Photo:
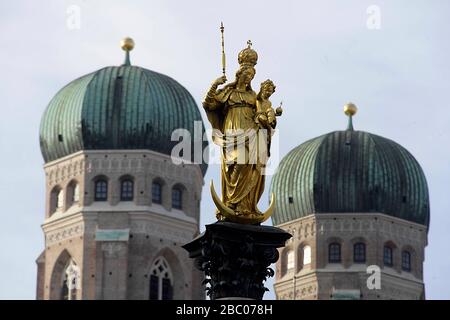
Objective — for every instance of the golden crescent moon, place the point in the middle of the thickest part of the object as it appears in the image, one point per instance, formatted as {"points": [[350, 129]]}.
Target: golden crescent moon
{"points": [[244, 219], [223, 209]]}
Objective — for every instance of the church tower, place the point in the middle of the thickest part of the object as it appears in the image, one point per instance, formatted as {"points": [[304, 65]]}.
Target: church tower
{"points": [[357, 206], [118, 208]]}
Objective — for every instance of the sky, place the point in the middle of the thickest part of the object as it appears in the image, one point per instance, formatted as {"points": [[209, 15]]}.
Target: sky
{"points": [[391, 58]]}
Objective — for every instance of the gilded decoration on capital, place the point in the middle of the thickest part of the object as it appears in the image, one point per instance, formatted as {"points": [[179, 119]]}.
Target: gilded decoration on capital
{"points": [[243, 123]]}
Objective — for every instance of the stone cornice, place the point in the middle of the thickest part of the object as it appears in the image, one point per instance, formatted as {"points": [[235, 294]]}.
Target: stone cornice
{"points": [[324, 223], [79, 162]]}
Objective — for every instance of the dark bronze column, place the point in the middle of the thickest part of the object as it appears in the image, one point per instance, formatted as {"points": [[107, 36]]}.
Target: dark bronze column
{"points": [[236, 258]]}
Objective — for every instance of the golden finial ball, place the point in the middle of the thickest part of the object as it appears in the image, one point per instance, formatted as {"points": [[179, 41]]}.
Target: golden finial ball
{"points": [[350, 109], [127, 44]]}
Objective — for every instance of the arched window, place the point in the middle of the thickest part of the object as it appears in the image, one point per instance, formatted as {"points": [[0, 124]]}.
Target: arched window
{"points": [[55, 199], [177, 198], [156, 192], [406, 261], [126, 190], [359, 252], [388, 256], [334, 252], [73, 193], [161, 287], [60, 200], [71, 281], [101, 190], [76, 193], [306, 255], [290, 260]]}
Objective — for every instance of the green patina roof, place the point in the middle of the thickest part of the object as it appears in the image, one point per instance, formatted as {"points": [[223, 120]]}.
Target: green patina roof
{"points": [[350, 171], [124, 107]]}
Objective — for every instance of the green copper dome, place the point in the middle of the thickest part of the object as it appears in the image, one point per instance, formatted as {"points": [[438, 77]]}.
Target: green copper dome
{"points": [[350, 171], [124, 107]]}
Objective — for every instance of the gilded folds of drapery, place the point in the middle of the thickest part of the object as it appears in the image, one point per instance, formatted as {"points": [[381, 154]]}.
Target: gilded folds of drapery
{"points": [[232, 114]]}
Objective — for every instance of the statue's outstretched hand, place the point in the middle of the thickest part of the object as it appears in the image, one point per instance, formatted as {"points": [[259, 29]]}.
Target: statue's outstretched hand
{"points": [[220, 81]]}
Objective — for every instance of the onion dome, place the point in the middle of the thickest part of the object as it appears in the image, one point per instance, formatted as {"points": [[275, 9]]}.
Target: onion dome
{"points": [[350, 172], [116, 108]]}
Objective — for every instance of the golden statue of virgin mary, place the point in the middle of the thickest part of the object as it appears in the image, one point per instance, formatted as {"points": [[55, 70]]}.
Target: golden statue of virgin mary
{"points": [[242, 130]]}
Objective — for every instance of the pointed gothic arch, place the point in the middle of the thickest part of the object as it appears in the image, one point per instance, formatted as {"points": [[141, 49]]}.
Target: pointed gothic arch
{"points": [[161, 280], [175, 274], [65, 280]]}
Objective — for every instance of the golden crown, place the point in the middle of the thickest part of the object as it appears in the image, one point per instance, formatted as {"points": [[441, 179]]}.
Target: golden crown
{"points": [[248, 56]]}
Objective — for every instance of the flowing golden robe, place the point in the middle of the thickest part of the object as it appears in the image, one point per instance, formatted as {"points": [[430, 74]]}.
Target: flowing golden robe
{"points": [[232, 115]]}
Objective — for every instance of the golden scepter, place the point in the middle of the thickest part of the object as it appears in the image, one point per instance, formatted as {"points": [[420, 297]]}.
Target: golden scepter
{"points": [[223, 48]]}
